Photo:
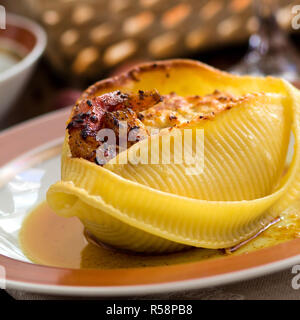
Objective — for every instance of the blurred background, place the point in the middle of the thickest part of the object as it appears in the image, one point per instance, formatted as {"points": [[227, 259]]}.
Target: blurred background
{"points": [[88, 40]]}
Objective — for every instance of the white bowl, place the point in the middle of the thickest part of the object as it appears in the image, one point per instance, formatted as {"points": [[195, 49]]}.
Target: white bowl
{"points": [[25, 35]]}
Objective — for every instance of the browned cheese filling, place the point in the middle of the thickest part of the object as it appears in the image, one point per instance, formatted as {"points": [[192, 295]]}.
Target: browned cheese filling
{"points": [[140, 112]]}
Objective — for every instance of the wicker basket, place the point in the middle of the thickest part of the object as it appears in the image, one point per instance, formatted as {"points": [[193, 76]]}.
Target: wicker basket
{"points": [[88, 37]]}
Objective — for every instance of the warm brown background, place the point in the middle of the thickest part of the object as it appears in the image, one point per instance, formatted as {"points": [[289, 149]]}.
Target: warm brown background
{"points": [[49, 89]]}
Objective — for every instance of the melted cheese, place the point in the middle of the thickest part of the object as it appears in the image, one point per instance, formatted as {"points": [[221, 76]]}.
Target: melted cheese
{"points": [[177, 110]]}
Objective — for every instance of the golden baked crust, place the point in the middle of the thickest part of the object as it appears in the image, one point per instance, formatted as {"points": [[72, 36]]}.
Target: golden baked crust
{"points": [[142, 112]]}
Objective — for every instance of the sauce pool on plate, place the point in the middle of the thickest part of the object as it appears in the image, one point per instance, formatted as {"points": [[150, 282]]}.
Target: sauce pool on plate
{"points": [[52, 240]]}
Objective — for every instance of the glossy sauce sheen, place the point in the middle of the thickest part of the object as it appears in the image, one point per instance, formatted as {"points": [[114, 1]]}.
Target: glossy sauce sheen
{"points": [[52, 240]]}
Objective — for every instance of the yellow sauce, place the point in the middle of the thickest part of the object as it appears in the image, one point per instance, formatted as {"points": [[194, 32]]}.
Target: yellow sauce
{"points": [[52, 240]]}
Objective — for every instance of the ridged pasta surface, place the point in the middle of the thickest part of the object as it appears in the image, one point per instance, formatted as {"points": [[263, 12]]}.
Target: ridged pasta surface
{"points": [[162, 207]]}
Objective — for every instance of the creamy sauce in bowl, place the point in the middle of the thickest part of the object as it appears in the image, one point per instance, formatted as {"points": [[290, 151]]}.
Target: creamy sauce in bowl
{"points": [[8, 58], [52, 240], [11, 53]]}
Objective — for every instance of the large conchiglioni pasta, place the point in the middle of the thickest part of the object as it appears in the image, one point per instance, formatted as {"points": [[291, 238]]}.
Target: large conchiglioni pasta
{"points": [[241, 187]]}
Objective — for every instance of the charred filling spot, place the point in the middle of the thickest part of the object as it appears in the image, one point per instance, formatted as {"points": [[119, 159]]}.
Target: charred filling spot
{"points": [[141, 116], [141, 111], [108, 112]]}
